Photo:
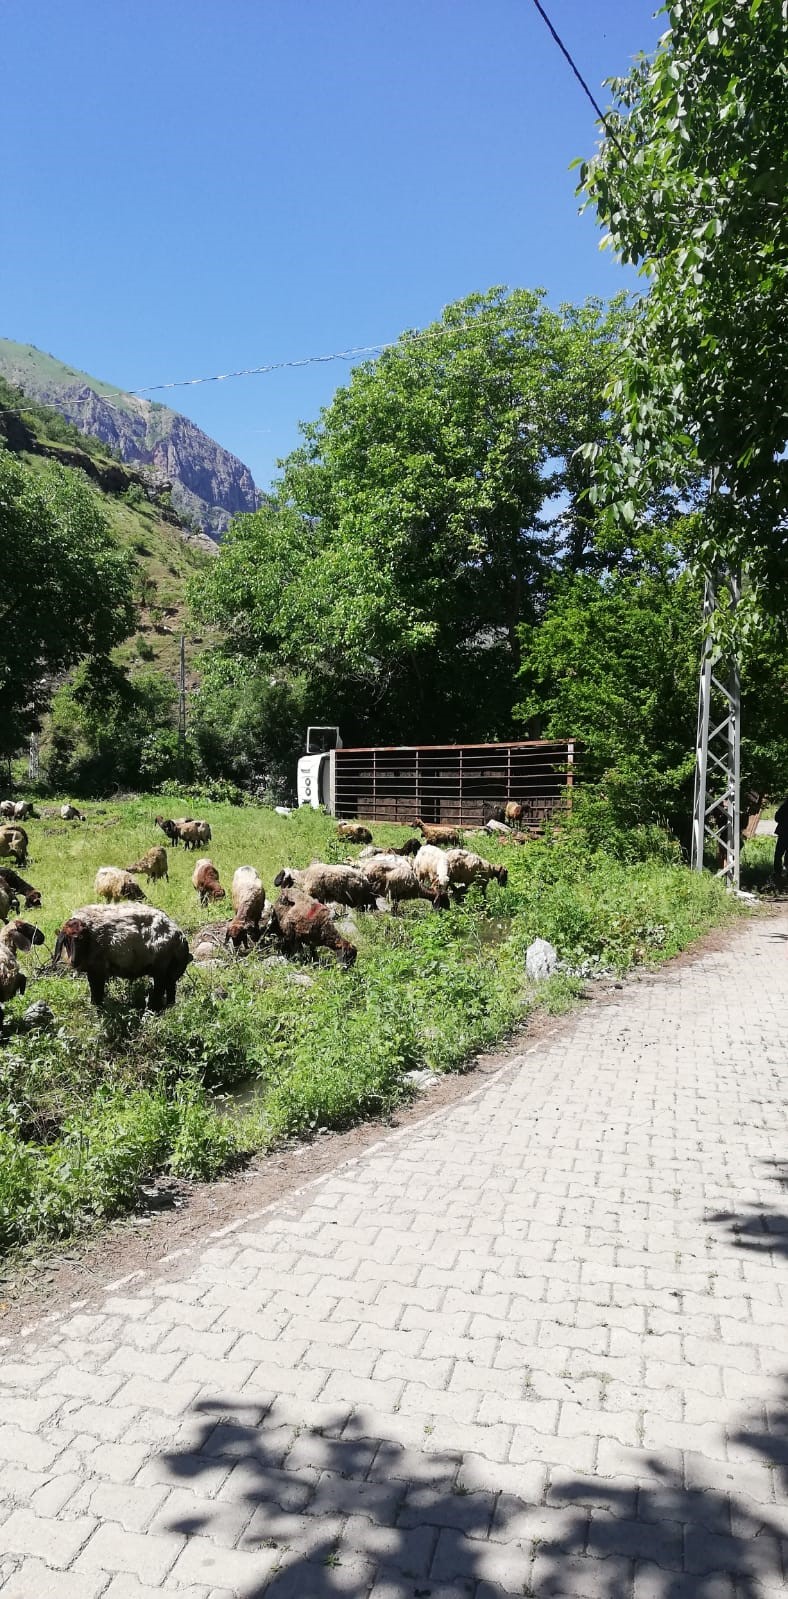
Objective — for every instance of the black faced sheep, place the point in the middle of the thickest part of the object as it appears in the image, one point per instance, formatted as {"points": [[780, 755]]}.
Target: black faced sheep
{"points": [[17, 935], [354, 833], [18, 810], [130, 941], [14, 842], [16, 885], [205, 879], [113, 884], [153, 864], [185, 831], [69, 813], [332, 885], [301, 923]]}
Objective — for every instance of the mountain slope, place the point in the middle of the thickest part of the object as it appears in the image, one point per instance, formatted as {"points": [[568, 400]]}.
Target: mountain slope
{"points": [[209, 485]]}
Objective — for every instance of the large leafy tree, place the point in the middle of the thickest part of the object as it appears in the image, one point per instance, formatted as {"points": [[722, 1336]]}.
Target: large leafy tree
{"points": [[413, 531], [65, 592], [690, 181]]}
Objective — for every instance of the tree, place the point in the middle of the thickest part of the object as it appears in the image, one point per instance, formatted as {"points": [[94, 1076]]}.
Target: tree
{"points": [[65, 591], [414, 529], [108, 728], [690, 181]]}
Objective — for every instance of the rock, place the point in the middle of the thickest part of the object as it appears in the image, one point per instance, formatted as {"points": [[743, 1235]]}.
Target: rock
{"points": [[38, 1017], [421, 1080], [300, 979], [541, 960], [497, 827], [283, 810]]}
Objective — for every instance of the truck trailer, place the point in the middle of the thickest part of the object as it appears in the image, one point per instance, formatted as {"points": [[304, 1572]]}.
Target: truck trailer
{"points": [[461, 784]]}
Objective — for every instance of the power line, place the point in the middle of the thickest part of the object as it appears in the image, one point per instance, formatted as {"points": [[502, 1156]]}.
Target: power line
{"points": [[578, 74]]}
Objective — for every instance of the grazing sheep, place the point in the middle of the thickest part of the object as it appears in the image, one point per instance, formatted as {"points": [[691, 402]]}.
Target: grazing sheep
{"points": [[248, 896], [8, 902], [435, 834], [466, 868], [14, 842], [153, 864], [431, 867], [18, 810], [332, 885], [185, 831], [354, 833], [113, 884], [410, 847], [205, 879], [128, 941], [393, 878], [17, 935], [69, 813], [16, 885], [302, 923]]}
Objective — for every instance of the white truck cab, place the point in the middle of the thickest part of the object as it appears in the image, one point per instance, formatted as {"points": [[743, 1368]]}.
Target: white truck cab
{"points": [[314, 768]]}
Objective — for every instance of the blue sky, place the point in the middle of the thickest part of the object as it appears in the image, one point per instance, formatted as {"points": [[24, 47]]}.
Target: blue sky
{"points": [[191, 187]]}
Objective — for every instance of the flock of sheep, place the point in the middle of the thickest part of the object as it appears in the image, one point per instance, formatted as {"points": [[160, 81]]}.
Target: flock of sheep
{"points": [[124, 936]]}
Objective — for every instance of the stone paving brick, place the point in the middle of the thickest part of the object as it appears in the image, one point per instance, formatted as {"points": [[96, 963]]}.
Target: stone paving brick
{"points": [[537, 1339]]}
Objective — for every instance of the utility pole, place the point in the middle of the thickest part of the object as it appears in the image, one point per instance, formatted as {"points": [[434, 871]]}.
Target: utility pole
{"points": [[717, 807], [182, 707]]}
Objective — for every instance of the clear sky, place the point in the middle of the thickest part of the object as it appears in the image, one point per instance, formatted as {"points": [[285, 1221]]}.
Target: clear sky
{"points": [[192, 186]]}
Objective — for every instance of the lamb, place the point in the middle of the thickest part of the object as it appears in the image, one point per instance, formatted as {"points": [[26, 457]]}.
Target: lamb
{"points": [[431, 867], [113, 884], [153, 864], [18, 810], [17, 935], [205, 879], [302, 923], [354, 833], [130, 941], [248, 896], [466, 868], [340, 885], [17, 885], [69, 813], [435, 834], [393, 878], [14, 842]]}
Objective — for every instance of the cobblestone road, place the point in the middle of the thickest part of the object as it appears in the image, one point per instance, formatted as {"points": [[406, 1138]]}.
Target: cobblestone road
{"points": [[534, 1345]]}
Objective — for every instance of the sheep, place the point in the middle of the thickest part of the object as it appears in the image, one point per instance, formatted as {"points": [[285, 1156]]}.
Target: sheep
{"points": [[130, 941], [340, 885], [113, 884], [153, 864], [513, 811], [18, 810], [466, 868], [435, 834], [7, 902], [431, 867], [410, 847], [184, 831], [354, 833], [248, 896], [393, 878], [205, 879], [302, 923], [17, 935], [17, 885], [14, 842], [69, 813]]}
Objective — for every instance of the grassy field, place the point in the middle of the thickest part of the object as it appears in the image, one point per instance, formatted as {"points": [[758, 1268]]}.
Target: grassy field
{"points": [[109, 1099]]}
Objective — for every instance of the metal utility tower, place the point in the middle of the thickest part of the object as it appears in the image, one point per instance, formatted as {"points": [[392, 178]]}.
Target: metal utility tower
{"points": [[717, 807]]}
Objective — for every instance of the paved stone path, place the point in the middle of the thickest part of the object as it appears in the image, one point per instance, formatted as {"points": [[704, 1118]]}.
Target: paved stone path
{"points": [[533, 1345]]}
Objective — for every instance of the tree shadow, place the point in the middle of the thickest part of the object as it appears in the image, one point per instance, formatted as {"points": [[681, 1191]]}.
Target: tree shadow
{"points": [[309, 1501]]}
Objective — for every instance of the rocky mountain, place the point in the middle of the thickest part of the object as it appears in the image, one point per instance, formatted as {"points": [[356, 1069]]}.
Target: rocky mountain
{"points": [[209, 485]]}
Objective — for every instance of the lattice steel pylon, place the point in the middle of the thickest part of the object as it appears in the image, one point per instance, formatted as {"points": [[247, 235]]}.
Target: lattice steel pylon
{"points": [[717, 808]]}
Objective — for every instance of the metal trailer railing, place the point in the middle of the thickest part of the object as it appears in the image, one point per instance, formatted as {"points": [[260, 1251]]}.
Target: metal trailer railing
{"points": [[460, 784]]}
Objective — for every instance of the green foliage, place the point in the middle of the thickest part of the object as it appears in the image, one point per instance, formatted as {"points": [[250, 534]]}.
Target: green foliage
{"points": [[260, 1049], [411, 533], [65, 591], [108, 728], [690, 183]]}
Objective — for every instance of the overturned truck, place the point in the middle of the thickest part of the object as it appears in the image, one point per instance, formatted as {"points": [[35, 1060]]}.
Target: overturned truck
{"points": [[466, 785]]}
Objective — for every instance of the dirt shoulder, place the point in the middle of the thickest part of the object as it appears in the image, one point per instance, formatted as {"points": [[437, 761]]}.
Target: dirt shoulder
{"points": [[50, 1281]]}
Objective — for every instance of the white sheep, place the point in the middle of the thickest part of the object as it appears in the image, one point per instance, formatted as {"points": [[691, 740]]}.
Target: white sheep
{"points": [[431, 866], [113, 884], [393, 878], [332, 885], [128, 941], [466, 868], [248, 897]]}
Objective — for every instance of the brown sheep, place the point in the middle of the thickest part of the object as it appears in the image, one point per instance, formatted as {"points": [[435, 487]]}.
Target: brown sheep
{"points": [[153, 864], [113, 884], [8, 902], [354, 833], [205, 879], [16, 885], [513, 811], [125, 941], [435, 834], [333, 885], [14, 842], [301, 923], [185, 831]]}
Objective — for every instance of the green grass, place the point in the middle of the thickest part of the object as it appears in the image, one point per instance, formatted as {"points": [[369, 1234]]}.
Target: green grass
{"points": [[111, 1098]]}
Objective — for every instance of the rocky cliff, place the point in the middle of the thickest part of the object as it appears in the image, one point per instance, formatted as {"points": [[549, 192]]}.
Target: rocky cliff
{"points": [[209, 485]]}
